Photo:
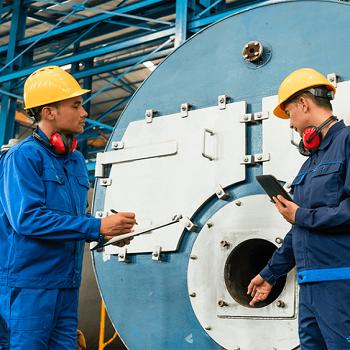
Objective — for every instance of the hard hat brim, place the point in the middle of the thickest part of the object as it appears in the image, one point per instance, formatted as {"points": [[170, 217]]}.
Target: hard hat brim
{"points": [[77, 93]]}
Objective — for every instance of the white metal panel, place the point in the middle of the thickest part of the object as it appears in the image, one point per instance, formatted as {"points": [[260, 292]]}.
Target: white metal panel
{"points": [[156, 188], [341, 104], [285, 160], [232, 325]]}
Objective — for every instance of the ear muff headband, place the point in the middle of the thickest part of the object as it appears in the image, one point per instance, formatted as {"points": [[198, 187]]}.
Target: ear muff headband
{"points": [[311, 138]]}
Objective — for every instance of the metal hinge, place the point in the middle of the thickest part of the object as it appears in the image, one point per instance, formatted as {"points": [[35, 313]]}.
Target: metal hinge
{"points": [[222, 100], [185, 107], [101, 214], [332, 78], [106, 181], [117, 145], [254, 117], [149, 115], [189, 225], [221, 193], [122, 256], [255, 158], [156, 253]]}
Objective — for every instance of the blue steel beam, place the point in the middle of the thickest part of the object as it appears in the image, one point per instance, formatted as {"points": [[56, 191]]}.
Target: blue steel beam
{"points": [[81, 7], [7, 8], [3, 92], [197, 24], [3, 18], [8, 103], [73, 27], [91, 54], [43, 19], [181, 22], [122, 86], [102, 125], [129, 69], [207, 9], [125, 24], [78, 39], [43, 35], [128, 8], [110, 110], [121, 64]]}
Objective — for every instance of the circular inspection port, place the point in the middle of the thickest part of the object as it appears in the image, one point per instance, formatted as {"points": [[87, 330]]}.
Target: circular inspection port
{"points": [[244, 263]]}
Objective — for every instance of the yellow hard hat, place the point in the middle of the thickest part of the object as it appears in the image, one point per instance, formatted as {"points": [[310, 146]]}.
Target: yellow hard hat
{"points": [[300, 79], [50, 84]]}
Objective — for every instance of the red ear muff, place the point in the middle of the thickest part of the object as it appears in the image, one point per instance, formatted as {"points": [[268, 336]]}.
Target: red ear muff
{"points": [[63, 144], [311, 138], [74, 145], [57, 143]]}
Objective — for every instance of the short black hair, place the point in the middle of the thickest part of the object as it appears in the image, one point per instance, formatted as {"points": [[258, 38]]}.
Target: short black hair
{"points": [[35, 113], [323, 102]]}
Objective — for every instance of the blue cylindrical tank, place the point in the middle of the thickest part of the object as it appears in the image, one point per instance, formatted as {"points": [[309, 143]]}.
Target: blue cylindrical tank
{"points": [[182, 288]]}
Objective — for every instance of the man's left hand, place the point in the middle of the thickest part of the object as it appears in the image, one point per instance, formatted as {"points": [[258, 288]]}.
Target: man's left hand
{"points": [[287, 208]]}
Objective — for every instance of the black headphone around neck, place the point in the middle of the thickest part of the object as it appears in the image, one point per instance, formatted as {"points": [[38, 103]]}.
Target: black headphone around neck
{"points": [[312, 137], [59, 143]]}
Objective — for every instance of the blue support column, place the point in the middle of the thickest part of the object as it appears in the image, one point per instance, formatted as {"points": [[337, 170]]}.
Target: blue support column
{"points": [[8, 101], [181, 22]]}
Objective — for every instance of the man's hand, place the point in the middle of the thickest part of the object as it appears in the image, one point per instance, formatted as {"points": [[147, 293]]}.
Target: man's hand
{"points": [[259, 289], [118, 224], [286, 208]]}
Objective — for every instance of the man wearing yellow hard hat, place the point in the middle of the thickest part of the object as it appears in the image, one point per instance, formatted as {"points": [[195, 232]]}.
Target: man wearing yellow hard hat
{"points": [[43, 225], [318, 243]]}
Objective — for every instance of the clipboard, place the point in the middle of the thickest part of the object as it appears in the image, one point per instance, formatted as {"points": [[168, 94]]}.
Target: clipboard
{"points": [[174, 220], [272, 187]]}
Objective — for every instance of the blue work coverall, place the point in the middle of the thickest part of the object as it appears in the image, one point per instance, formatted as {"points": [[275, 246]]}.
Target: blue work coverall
{"points": [[43, 227], [319, 244]]}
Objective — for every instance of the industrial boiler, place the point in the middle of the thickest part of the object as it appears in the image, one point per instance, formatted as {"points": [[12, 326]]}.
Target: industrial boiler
{"points": [[184, 157]]}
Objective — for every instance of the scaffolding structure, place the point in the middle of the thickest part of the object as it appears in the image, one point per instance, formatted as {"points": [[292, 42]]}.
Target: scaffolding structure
{"points": [[109, 46]]}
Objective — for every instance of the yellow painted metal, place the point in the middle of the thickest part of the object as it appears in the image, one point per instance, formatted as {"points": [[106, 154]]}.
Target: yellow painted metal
{"points": [[101, 342]]}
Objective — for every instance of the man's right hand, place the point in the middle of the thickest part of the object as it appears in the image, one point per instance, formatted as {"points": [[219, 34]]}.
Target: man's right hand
{"points": [[117, 224], [259, 289]]}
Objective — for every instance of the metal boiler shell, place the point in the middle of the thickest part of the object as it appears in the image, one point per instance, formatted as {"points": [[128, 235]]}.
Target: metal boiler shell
{"points": [[147, 300]]}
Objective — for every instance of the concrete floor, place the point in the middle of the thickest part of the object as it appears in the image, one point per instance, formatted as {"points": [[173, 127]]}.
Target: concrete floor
{"points": [[89, 309]]}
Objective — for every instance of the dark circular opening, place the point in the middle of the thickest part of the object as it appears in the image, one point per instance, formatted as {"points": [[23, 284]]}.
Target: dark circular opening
{"points": [[244, 263], [252, 50]]}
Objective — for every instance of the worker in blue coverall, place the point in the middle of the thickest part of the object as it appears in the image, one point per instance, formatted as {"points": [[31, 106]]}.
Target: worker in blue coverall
{"points": [[43, 225], [318, 243]]}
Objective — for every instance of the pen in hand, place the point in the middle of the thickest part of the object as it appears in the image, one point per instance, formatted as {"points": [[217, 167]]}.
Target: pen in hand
{"points": [[115, 212]]}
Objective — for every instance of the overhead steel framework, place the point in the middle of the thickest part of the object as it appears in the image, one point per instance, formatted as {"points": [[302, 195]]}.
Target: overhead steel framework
{"points": [[109, 46]]}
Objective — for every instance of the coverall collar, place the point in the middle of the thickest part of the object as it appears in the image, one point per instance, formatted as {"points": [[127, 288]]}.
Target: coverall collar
{"points": [[44, 136], [331, 133]]}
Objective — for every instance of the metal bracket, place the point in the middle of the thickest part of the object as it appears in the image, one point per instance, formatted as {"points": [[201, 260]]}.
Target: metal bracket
{"points": [[185, 107], [255, 158], [254, 117], [101, 214], [222, 100], [149, 115], [156, 253], [117, 145], [122, 257], [332, 78], [190, 226], [106, 182], [220, 192]]}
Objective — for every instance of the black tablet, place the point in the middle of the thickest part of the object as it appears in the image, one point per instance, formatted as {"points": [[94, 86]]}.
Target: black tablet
{"points": [[272, 187]]}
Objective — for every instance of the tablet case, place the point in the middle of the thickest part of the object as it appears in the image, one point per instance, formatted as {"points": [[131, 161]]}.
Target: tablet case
{"points": [[272, 187]]}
